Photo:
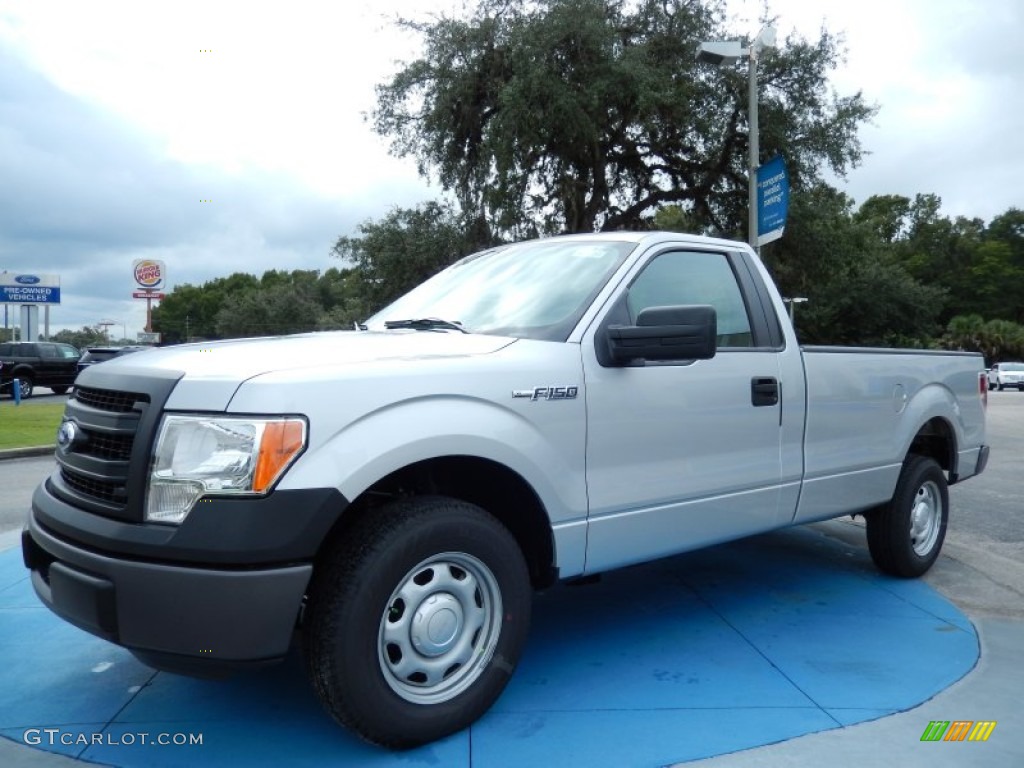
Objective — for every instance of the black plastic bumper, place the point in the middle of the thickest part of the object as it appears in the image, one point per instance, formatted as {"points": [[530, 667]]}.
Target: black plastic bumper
{"points": [[200, 617]]}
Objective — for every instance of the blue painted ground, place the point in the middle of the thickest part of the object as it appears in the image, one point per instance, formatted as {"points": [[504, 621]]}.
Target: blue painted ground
{"points": [[716, 651]]}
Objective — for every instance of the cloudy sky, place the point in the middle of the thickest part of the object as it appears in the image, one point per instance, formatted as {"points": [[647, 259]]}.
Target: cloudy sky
{"points": [[118, 118]]}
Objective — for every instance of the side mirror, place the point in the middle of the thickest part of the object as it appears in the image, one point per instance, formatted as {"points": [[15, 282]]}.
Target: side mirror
{"points": [[666, 333]]}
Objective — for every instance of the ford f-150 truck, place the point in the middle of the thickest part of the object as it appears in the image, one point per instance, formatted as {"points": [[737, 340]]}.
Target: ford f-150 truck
{"points": [[539, 411]]}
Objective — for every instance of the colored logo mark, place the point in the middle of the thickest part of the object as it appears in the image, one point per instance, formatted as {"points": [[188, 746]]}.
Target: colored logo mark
{"points": [[149, 273], [958, 730]]}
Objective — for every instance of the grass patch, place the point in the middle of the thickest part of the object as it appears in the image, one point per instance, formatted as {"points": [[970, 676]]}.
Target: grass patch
{"points": [[24, 426]]}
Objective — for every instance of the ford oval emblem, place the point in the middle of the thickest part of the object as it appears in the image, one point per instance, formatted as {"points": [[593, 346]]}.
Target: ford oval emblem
{"points": [[26, 279], [66, 434]]}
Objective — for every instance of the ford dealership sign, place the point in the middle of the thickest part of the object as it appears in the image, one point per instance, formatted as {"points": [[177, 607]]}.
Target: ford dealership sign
{"points": [[29, 289]]}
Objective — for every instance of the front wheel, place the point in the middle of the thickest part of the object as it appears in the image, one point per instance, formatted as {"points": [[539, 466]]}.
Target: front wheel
{"points": [[906, 535], [25, 386], [416, 619]]}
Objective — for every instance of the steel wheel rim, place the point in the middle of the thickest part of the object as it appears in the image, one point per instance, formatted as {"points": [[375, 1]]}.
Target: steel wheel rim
{"points": [[439, 628], [925, 518], [26, 388]]}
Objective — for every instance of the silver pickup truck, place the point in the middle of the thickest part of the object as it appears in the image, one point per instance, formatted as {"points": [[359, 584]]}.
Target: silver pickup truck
{"points": [[540, 411]]}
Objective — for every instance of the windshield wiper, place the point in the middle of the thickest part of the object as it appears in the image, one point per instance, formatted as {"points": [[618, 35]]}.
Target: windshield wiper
{"points": [[426, 324]]}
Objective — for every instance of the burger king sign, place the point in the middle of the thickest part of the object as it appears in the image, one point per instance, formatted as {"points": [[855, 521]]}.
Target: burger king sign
{"points": [[149, 274]]}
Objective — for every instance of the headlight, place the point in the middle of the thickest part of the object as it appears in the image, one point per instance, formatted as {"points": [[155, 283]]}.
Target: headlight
{"points": [[198, 455]]}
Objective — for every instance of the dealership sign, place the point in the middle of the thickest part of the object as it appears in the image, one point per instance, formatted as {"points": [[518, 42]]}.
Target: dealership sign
{"points": [[29, 288], [149, 274], [772, 200]]}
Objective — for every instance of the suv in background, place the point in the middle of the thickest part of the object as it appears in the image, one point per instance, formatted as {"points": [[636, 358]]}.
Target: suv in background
{"points": [[1003, 375], [38, 364], [93, 355]]}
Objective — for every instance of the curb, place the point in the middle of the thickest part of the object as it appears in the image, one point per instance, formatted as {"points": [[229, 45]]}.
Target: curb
{"points": [[20, 453]]}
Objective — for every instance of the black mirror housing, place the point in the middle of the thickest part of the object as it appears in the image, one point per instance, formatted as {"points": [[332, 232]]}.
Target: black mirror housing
{"points": [[666, 333]]}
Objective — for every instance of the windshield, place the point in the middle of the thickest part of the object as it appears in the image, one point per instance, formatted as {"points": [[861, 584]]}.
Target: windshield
{"points": [[534, 290]]}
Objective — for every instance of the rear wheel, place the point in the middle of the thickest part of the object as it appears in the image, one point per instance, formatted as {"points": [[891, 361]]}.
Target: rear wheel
{"points": [[416, 619], [906, 535], [59, 390]]}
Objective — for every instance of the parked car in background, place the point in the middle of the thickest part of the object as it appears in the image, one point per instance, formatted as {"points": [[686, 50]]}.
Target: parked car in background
{"points": [[38, 364], [1003, 375], [94, 355]]}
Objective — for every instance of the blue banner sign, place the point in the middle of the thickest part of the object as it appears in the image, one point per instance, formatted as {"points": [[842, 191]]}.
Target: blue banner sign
{"points": [[29, 289], [25, 294], [772, 200]]}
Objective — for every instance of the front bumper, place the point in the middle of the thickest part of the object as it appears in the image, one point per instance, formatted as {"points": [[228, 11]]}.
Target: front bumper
{"points": [[196, 615]]}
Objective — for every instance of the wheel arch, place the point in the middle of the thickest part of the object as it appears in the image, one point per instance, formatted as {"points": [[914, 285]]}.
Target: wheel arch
{"points": [[486, 483], [23, 369], [937, 439]]}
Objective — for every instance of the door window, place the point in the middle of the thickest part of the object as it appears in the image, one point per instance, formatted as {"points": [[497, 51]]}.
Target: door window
{"points": [[694, 277]]}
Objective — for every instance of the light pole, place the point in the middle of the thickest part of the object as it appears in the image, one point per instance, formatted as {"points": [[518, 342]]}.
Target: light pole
{"points": [[105, 325], [730, 52], [792, 306]]}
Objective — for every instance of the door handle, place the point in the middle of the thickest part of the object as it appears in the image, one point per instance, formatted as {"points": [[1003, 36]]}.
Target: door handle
{"points": [[764, 390]]}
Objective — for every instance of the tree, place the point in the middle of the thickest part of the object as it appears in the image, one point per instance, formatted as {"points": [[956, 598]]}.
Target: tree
{"points": [[996, 339], [278, 309], [88, 336], [887, 215], [965, 332], [397, 253], [857, 292], [576, 115], [190, 312]]}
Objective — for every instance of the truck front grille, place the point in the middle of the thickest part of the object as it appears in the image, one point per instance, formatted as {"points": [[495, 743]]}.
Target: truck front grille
{"points": [[103, 468], [101, 490], [103, 400], [104, 446]]}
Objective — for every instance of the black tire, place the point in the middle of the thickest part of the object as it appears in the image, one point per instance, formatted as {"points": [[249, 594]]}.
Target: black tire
{"points": [[905, 536], [991, 386], [59, 390], [396, 570]]}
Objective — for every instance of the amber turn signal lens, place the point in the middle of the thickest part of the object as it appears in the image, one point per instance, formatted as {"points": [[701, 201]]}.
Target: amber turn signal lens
{"points": [[281, 441]]}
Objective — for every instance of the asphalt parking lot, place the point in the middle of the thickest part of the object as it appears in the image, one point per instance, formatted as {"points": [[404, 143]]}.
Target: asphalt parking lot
{"points": [[39, 395]]}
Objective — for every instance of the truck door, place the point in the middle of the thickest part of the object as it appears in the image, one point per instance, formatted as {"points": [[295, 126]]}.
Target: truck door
{"points": [[684, 453]]}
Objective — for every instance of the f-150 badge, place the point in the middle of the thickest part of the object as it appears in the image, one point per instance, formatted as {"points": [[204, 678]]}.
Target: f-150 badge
{"points": [[547, 393]]}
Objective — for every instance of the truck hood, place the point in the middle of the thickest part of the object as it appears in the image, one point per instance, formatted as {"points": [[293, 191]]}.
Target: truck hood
{"points": [[213, 370]]}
